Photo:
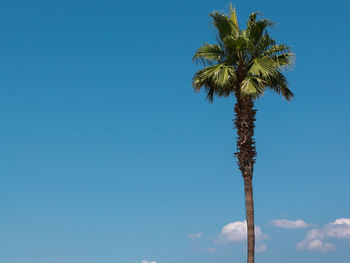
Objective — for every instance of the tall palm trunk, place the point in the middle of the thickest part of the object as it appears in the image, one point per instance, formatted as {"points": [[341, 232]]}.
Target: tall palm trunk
{"points": [[249, 207], [244, 123]]}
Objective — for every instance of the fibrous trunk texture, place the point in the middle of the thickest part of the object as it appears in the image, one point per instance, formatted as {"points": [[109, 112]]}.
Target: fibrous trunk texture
{"points": [[246, 153]]}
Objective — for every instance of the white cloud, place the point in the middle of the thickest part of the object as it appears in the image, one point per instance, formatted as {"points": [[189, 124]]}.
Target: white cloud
{"points": [[315, 241], [316, 238], [237, 232], [234, 232], [146, 261], [285, 223], [195, 235], [340, 228]]}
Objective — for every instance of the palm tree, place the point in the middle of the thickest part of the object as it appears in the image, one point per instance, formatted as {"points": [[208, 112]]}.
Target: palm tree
{"points": [[244, 63]]}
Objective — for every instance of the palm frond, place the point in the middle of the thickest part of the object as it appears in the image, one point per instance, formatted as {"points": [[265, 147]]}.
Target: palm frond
{"points": [[250, 87], [225, 77], [285, 60], [235, 44], [234, 20], [226, 26], [215, 79], [278, 83], [256, 28], [233, 16], [264, 65], [265, 43], [252, 18], [221, 75], [276, 49], [222, 23], [205, 77], [208, 53]]}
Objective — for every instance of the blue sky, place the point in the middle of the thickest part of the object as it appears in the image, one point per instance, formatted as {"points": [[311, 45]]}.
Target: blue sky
{"points": [[108, 156]]}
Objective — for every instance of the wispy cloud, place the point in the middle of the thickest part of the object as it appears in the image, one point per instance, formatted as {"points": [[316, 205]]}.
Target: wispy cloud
{"points": [[285, 223], [316, 239], [261, 248], [146, 261], [237, 232], [195, 235], [211, 249]]}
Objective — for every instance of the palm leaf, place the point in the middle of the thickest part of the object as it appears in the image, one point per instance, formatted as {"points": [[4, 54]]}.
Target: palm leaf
{"points": [[285, 61], [276, 49], [209, 53], [222, 23], [233, 16], [255, 29], [278, 83], [264, 65], [251, 88]]}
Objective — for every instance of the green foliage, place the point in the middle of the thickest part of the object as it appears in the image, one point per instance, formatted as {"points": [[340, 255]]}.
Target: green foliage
{"points": [[208, 53], [244, 61]]}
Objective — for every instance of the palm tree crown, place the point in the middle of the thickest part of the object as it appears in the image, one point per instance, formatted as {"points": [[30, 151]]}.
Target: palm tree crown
{"points": [[245, 62]]}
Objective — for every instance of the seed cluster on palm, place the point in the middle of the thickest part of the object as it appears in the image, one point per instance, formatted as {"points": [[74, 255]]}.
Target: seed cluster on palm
{"points": [[243, 63]]}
